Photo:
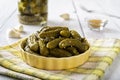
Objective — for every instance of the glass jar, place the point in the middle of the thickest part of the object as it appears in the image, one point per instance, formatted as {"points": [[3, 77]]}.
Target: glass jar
{"points": [[33, 12]]}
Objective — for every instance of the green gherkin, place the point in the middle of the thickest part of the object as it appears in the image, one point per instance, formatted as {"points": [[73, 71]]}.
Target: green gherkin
{"points": [[54, 43], [72, 42], [65, 33], [51, 33], [72, 50], [75, 34], [43, 49], [32, 42], [60, 53]]}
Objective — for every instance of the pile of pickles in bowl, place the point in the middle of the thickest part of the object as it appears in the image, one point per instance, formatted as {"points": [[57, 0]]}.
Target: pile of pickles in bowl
{"points": [[32, 12], [55, 48]]}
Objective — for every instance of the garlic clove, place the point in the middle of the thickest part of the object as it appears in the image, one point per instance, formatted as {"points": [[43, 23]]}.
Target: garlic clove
{"points": [[65, 16], [19, 28], [12, 33]]}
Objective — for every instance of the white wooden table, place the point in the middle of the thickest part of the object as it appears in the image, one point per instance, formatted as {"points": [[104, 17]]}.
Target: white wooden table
{"points": [[58, 7]]}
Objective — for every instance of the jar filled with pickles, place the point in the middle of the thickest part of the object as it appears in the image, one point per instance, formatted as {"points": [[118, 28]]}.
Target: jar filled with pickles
{"points": [[33, 12]]}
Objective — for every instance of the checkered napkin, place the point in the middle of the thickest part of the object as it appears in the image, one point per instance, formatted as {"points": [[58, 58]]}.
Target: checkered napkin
{"points": [[104, 51]]}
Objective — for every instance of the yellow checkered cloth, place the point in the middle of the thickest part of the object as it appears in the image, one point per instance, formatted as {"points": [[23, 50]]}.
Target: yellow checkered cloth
{"points": [[104, 51]]}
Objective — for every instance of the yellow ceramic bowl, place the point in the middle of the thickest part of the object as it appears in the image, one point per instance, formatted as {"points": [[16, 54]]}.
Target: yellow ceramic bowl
{"points": [[52, 63]]}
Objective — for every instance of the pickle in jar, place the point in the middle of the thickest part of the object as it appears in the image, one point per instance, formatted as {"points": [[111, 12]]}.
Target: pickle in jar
{"points": [[37, 9]]}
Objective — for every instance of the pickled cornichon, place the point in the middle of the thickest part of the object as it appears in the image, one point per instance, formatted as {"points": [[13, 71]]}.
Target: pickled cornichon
{"points": [[56, 42], [85, 45], [72, 50], [51, 33], [29, 50], [33, 44], [72, 42], [57, 52], [75, 34], [43, 49], [54, 28], [65, 33]]}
